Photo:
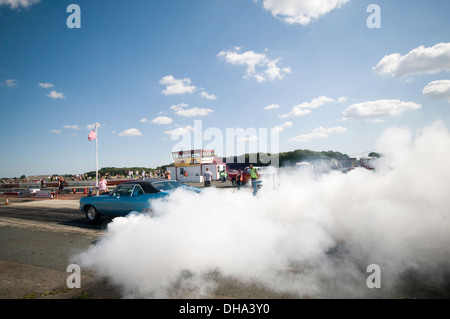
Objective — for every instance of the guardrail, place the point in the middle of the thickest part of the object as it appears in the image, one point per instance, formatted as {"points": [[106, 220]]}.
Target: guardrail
{"points": [[67, 184]]}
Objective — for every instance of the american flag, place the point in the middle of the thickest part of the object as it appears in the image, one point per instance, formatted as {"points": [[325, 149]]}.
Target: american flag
{"points": [[92, 135]]}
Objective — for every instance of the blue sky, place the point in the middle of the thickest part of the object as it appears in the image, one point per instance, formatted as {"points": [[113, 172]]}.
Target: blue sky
{"points": [[312, 70]]}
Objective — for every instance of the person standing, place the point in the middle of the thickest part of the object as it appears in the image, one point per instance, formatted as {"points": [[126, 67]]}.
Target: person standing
{"points": [[102, 185], [254, 176], [223, 176], [208, 177], [60, 185], [239, 180]]}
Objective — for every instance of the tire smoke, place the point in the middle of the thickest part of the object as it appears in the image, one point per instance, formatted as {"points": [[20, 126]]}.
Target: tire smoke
{"points": [[301, 236]]}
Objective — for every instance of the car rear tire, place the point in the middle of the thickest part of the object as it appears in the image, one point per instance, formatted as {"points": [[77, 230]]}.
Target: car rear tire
{"points": [[92, 215]]}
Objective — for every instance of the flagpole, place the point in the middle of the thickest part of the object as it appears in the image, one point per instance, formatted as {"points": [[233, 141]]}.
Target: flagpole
{"points": [[96, 156]]}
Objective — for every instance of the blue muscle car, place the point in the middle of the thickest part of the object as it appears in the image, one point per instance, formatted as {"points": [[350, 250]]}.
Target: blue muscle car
{"points": [[127, 197]]}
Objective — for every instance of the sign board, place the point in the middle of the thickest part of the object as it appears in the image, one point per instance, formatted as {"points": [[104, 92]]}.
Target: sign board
{"points": [[44, 194], [24, 193]]}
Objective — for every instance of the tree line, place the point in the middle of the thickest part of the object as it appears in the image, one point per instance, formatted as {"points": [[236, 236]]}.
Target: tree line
{"points": [[123, 171], [284, 158]]}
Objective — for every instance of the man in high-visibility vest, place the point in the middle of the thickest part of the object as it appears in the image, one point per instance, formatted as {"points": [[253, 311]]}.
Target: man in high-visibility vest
{"points": [[255, 176]]}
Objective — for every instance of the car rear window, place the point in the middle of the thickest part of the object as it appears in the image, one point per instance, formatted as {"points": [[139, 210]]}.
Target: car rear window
{"points": [[166, 185]]}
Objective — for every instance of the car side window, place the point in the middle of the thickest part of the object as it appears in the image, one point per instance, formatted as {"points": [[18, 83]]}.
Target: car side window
{"points": [[123, 190], [138, 191]]}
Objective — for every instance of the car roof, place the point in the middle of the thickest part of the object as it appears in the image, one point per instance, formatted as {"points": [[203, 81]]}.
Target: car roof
{"points": [[145, 181], [147, 184]]}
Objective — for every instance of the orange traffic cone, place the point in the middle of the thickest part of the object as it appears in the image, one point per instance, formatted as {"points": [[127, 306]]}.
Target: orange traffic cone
{"points": [[85, 191], [74, 190], [7, 201]]}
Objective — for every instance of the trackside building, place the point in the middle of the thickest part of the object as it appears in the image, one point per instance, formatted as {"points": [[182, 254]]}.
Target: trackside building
{"points": [[189, 166]]}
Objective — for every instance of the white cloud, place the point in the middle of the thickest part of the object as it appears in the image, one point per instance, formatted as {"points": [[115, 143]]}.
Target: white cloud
{"points": [[56, 95], [208, 96], [374, 111], [181, 110], [178, 106], [15, 4], [176, 86], [161, 120], [305, 108], [179, 131], [273, 72], [254, 62], [55, 131], [280, 128], [420, 60], [301, 12], [272, 107], [438, 90], [46, 85], [131, 132], [72, 127], [9, 83], [319, 132]]}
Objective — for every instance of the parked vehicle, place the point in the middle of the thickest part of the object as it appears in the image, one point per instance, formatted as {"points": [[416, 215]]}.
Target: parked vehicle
{"points": [[368, 162], [246, 176], [348, 164], [127, 197]]}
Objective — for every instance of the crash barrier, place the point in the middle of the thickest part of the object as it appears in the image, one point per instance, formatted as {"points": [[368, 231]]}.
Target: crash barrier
{"points": [[38, 193], [67, 184], [46, 194]]}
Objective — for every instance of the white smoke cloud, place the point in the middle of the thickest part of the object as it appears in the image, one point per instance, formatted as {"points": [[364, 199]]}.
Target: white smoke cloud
{"points": [[304, 235]]}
